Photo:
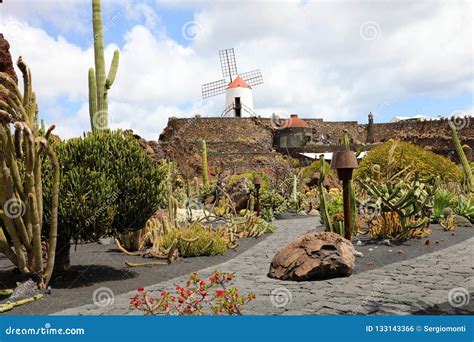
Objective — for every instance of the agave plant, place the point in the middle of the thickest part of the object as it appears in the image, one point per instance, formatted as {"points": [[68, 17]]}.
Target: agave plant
{"points": [[465, 208], [442, 199]]}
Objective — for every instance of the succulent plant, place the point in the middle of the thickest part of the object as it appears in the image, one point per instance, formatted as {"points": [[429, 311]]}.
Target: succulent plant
{"points": [[205, 170], [21, 191], [99, 85], [466, 167]]}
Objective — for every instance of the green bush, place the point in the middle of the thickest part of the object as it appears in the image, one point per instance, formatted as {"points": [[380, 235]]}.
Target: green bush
{"points": [[427, 163], [250, 176], [201, 247], [110, 184]]}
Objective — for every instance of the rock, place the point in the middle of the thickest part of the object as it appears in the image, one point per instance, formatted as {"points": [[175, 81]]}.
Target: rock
{"points": [[359, 243], [313, 212], [105, 241], [6, 64], [314, 256], [371, 249], [239, 193], [358, 254], [386, 242]]}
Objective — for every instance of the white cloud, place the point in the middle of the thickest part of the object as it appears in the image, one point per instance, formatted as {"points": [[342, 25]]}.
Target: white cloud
{"points": [[314, 58]]}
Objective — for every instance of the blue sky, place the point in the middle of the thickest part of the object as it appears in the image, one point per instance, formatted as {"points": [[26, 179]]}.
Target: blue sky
{"points": [[332, 60]]}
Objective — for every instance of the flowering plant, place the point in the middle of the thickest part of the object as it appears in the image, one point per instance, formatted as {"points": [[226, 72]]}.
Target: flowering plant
{"points": [[197, 297]]}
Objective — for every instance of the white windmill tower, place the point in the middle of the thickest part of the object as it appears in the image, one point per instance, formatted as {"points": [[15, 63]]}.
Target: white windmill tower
{"points": [[239, 100]]}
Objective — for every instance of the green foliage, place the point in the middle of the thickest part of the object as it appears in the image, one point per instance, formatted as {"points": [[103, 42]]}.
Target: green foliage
{"points": [[88, 205], [443, 199], [126, 180], [468, 178], [207, 242], [411, 201], [250, 176], [336, 206], [465, 208], [410, 158]]}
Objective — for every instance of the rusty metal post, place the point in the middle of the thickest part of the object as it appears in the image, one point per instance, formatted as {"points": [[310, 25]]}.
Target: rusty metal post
{"points": [[347, 210], [257, 182]]}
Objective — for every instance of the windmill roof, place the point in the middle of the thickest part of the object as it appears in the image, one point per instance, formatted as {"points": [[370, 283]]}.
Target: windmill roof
{"points": [[295, 122], [238, 82]]}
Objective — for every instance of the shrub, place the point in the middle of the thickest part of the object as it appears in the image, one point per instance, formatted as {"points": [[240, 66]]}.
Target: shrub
{"points": [[465, 208], [207, 242], [427, 163], [110, 186], [250, 176]]}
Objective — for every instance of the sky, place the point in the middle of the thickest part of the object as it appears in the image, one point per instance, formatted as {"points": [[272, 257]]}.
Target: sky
{"points": [[337, 60]]}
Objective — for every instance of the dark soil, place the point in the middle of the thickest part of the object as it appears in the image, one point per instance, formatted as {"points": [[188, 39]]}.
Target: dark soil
{"points": [[96, 265], [377, 254]]}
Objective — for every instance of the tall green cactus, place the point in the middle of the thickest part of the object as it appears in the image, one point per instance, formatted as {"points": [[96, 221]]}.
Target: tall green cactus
{"points": [[352, 197], [21, 194], [98, 84], [322, 196], [469, 181], [205, 170]]}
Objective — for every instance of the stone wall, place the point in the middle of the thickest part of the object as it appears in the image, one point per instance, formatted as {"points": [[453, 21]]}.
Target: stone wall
{"points": [[241, 144]]}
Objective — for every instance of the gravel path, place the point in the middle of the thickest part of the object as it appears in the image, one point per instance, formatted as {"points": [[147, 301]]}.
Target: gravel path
{"points": [[420, 284]]}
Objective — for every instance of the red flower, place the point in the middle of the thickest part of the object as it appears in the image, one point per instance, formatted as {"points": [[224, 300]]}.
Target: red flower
{"points": [[212, 280], [164, 293], [220, 293], [181, 300], [141, 289], [202, 282], [216, 274], [254, 296]]}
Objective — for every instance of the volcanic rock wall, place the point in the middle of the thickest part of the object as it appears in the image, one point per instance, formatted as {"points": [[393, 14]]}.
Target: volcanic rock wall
{"points": [[240, 144]]}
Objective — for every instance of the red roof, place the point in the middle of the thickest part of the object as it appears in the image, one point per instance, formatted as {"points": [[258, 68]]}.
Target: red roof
{"points": [[295, 122], [238, 82]]}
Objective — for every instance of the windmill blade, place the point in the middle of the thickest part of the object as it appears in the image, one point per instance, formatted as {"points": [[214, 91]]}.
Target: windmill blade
{"points": [[253, 77], [213, 88], [228, 63]]}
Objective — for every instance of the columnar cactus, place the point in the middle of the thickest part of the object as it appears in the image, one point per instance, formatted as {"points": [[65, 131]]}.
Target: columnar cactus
{"points": [[322, 196], [98, 84], [205, 170], [469, 181], [21, 194]]}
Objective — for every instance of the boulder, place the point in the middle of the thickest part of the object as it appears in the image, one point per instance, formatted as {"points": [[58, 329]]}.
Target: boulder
{"points": [[239, 193], [314, 256]]}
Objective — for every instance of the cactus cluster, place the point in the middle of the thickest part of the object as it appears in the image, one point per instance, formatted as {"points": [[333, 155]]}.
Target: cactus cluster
{"points": [[99, 85], [21, 189], [351, 189], [410, 200], [205, 170]]}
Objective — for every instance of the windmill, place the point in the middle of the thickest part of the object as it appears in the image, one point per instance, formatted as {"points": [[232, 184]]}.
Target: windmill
{"points": [[238, 87]]}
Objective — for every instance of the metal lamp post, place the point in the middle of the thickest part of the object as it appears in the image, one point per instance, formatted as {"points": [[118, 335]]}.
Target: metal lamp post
{"points": [[345, 162], [257, 182]]}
